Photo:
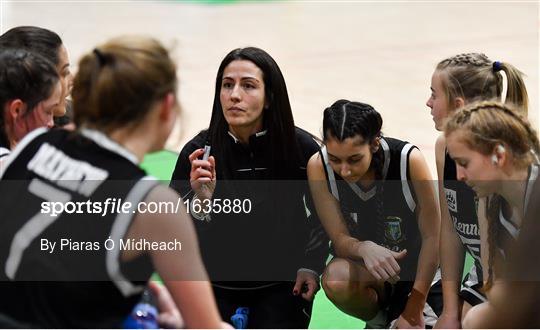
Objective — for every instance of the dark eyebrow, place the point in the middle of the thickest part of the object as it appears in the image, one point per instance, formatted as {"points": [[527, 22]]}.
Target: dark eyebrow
{"points": [[330, 155], [243, 78], [352, 156], [250, 78], [432, 89]]}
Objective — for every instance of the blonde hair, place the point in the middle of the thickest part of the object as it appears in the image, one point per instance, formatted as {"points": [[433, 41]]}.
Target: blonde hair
{"points": [[118, 82], [474, 77], [485, 126]]}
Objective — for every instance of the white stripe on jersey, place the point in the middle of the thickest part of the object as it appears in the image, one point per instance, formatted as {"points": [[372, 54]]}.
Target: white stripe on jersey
{"points": [[20, 146], [474, 252], [476, 294], [119, 230], [404, 182], [250, 169], [470, 241], [386, 150], [509, 226], [35, 225], [104, 141], [364, 195], [4, 152], [330, 171], [437, 277], [532, 178]]}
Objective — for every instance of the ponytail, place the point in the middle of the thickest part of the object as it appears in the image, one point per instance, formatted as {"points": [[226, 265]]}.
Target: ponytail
{"points": [[516, 93]]}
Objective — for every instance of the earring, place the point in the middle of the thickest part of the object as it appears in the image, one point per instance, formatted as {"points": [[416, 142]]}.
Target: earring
{"points": [[494, 160]]}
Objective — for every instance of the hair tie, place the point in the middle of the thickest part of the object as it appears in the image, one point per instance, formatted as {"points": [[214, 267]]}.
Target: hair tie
{"points": [[101, 58], [497, 66]]}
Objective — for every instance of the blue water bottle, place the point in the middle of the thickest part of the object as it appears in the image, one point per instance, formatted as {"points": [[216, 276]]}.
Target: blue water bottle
{"points": [[144, 315], [240, 318]]}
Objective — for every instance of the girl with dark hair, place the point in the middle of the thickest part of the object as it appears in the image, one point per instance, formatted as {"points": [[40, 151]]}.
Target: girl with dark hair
{"points": [[47, 44], [267, 258], [496, 154], [458, 81], [375, 200], [29, 92], [59, 185]]}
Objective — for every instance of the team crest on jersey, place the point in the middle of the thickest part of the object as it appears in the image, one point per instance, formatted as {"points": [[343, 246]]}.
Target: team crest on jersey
{"points": [[451, 199], [393, 231]]}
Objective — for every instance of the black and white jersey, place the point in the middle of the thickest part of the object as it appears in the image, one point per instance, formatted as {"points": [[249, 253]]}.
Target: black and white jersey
{"points": [[523, 264], [4, 152], [384, 213], [81, 283], [279, 235], [508, 232], [463, 206]]}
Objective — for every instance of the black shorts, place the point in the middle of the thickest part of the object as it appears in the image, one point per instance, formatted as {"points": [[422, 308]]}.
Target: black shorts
{"points": [[434, 304], [471, 291], [392, 302], [473, 295], [397, 297]]}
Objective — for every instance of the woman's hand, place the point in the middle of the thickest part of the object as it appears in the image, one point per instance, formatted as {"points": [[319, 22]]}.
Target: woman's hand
{"points": [[307, 284], [404, 322], [448, 321], [412, 316], [203, 175], [169, 316], [381, 262]]}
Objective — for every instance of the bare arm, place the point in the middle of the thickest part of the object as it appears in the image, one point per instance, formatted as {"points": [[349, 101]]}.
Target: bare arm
{"points": [[379, 261], [182, 270], [452, 254], [429, 225], [329, 211], [483, 229], [513, 299], [511, 305], [316, 248]]}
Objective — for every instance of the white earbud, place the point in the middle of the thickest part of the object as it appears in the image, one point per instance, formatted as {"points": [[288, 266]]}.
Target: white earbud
{"points": [[499, 150]]}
